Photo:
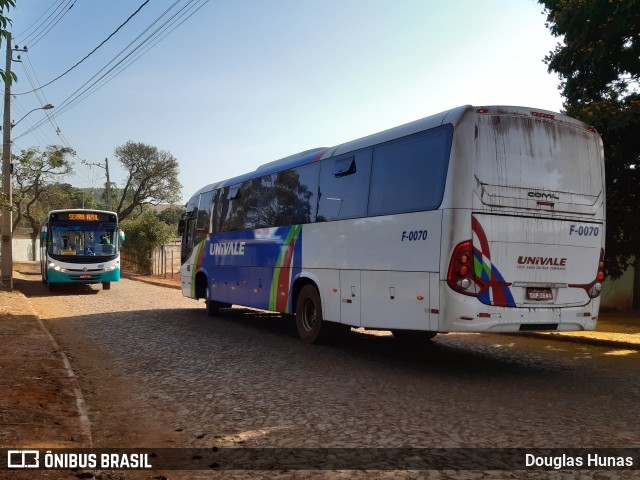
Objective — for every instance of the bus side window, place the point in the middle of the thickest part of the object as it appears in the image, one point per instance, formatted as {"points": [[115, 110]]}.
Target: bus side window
{"points": [[203, 219], [344, 186], [409, 174]]}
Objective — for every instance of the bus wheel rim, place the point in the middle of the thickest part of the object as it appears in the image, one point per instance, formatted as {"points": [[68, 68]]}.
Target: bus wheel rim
{"points": [[309, 314]]}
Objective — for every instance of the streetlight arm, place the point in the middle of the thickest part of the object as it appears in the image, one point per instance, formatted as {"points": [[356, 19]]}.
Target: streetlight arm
{"points": [[48, 106]]}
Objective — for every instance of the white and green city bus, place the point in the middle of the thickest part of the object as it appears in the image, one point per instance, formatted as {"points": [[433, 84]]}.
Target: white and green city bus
{"points": [[80, 246], [477, 219]]}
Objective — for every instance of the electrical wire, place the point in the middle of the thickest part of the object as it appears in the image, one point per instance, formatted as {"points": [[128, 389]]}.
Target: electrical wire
{"points": [[146, 44], [92, 51], [19, 36], [128, 59], [54, 21]]}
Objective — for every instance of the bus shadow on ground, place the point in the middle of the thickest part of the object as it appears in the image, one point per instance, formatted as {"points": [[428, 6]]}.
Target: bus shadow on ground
{"points": [[446, 354], [33, 289]]}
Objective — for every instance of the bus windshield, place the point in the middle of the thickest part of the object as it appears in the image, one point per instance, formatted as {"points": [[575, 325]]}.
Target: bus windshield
{"points": [[86, 239]]}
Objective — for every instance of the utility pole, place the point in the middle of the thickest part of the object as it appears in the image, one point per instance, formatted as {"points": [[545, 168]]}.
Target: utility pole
{"points": [[106, 167], [6, 261], [106, 163]]}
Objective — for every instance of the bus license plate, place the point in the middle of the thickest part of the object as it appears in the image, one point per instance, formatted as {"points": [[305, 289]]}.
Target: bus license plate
{"points": [[538, 294], [85, 275]]}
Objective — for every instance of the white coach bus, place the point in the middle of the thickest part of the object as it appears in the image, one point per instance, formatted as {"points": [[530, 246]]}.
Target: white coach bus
{"points": [[477, 219]]}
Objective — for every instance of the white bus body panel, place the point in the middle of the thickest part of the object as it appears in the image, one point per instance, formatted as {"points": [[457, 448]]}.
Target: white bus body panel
{"points": [[384, 266]]}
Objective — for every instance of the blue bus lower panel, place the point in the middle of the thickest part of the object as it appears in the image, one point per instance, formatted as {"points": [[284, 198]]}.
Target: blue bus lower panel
{"points": [[77, 277]]}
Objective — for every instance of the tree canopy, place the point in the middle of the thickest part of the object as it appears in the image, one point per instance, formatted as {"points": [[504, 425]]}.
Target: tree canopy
{"points": [[152, 177], [598, 61], [34, 172]]}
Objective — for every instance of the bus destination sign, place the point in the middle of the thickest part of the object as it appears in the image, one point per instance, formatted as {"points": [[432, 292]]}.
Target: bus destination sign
{"points": [[83, 217]]}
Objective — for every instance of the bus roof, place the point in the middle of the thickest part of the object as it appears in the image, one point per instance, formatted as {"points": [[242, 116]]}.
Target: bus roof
{"points": [[74, 210], [452, 116]]}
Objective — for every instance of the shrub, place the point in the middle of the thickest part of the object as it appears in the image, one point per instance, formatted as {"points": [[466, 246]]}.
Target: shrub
{"points": [[143, 235]]}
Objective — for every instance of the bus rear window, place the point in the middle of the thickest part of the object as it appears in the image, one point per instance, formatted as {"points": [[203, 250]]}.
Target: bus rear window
{"points": [[528, 153]]}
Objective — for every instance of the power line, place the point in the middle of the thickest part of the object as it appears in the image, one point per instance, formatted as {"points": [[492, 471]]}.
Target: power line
{"points": [[92, 51], [147, 43], [138, 51], [37, 20], [54, 21]]}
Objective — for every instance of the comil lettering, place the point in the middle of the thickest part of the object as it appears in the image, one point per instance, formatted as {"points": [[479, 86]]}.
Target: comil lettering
{"points": [[546, 196], [552, 261], [227, 248]]}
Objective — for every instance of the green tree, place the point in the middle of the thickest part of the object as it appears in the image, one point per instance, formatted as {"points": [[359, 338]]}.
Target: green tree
{"points": [[143, 234], [152, 177], [171, 216], [5, 5], [64, 195], [598, 61], [33, 173]]}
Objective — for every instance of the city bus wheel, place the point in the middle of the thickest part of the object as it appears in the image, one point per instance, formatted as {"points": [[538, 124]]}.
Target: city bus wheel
{"points": [[311, 327], [106, 285], [414, 337]]}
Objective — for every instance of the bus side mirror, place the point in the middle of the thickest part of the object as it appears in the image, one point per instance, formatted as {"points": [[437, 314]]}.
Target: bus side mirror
{"points": [[43, 235], [122, 236], [181, 227]]}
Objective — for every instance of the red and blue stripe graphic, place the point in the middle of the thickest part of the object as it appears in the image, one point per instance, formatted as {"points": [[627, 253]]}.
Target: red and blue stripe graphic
{"points": [[254, 268], [495, 291]]}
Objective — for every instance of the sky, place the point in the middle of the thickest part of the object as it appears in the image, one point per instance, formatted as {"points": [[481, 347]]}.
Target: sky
{"points": [[228, 85]]}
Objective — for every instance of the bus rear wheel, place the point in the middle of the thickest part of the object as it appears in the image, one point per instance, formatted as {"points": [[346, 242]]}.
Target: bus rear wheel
{"points": [[312, 328]]}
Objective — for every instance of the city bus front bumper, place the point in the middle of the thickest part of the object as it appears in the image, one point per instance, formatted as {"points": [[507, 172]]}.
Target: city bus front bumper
{"points": [[81, 276]]}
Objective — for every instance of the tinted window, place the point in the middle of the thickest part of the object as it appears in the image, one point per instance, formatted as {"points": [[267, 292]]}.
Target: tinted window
{"points": [[409, 174], [295, 194], [344, 186], [283, 198], [204, 212]]}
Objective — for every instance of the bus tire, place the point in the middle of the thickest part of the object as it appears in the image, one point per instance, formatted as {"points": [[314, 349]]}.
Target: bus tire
{"points": [[311, 326], [413, 337], [212, 307], [106, 285]]}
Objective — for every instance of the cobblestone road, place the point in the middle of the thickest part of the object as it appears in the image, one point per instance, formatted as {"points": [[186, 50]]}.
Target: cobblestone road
{"points": [[157, 372]]}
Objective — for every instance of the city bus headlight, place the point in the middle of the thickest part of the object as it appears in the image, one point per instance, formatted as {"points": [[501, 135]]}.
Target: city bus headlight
{"points": [[56, 267], [110, 268]]}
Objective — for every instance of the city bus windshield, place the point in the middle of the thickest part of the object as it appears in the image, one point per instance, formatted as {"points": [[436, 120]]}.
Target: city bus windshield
{"points": [[85, 239]]}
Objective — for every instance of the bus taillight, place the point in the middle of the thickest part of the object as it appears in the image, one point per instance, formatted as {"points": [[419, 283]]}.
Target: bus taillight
{"points": [[595, 290], [543, 115], [460, 275]]}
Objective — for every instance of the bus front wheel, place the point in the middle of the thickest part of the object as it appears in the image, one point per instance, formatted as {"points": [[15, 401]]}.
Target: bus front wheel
{"points": [[213, 307], [311, 326], [106, 285]]}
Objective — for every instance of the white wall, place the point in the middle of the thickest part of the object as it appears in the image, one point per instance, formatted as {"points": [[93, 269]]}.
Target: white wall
{"points": [[23, 251]]}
